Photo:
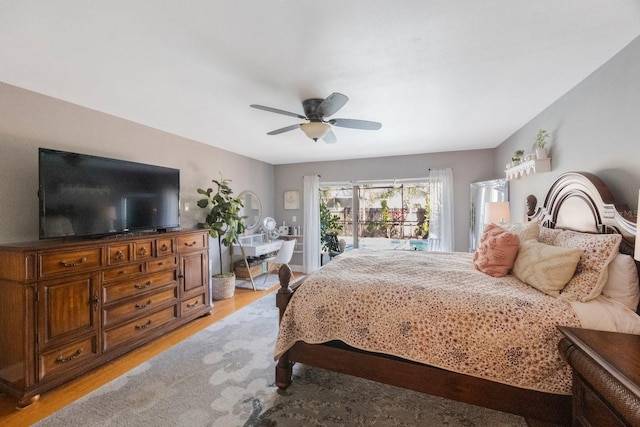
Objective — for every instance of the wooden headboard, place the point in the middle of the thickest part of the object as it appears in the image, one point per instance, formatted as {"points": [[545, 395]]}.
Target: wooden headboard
{"points": [[581, 201]]}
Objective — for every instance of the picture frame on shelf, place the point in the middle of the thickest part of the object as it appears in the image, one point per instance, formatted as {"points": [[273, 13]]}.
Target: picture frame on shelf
{"points": [[291, 199]]}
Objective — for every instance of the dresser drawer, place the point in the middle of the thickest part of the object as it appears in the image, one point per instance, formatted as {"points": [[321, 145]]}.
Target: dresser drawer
{"points": [[67, 357], [143, 250], [192, 241], [139, 286], [193, 304], [137, 329], [115, 274], [56, 263], [164, 247], [119, 254], [135, 307], [165, 263]]}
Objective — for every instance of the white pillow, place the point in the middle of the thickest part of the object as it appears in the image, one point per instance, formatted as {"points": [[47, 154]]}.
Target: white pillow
{"points": [[622, 283], [524, 230]]}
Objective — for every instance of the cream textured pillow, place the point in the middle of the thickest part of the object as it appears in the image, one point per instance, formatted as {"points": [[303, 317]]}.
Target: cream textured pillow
{"points": [[547, 235], [622, 283], [524, 230], [545, 267], [496, 251], [598, 250]]}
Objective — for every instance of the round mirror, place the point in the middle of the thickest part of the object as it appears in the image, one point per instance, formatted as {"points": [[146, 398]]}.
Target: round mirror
{"points": [[252, 209], [269, 223]]}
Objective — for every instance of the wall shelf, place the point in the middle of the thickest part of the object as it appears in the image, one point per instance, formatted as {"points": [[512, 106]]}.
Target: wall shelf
{"points": [[528, 168]]}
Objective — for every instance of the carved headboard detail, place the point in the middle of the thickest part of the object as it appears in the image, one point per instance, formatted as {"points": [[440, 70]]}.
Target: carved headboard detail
{"points": [[581, 201]]}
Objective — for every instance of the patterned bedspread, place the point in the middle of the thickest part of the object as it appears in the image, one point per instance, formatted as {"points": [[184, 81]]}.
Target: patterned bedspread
{"points": [[434, 308]]}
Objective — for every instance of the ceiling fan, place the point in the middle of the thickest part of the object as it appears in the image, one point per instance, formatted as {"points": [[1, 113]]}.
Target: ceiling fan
{"points": [[315, 111]]}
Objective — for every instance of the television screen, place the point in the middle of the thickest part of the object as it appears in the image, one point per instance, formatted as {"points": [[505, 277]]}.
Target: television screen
{"points": [[83, 195]]}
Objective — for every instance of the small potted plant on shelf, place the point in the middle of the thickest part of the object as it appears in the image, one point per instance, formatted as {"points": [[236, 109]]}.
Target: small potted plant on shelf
{"points": [[224, 223], [541, 144]]}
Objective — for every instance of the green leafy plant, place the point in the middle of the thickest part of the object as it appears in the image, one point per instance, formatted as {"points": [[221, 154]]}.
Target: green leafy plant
{"points": [[519, 154], [329, 227], [223, 220], [542, 138]]}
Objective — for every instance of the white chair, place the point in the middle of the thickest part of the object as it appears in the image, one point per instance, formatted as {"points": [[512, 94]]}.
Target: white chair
{"points": [[282, 257]]}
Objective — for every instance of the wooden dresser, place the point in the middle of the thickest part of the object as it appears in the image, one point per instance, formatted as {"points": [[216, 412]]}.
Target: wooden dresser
{"points": [[69, 307], [606, 376]]}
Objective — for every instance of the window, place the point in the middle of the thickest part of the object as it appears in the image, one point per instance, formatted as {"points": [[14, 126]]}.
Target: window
{"points": [[389, 215]]}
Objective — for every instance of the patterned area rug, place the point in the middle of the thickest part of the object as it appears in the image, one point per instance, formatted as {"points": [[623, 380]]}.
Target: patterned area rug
{"points": [[223, 376]]}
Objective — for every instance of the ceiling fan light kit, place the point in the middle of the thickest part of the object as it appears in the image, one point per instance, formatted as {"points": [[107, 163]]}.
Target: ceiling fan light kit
{"points": [[315, 110], [315, 130]]}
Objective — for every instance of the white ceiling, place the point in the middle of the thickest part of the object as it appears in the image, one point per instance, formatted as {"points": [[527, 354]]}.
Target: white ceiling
{"points": [[441, 75]]}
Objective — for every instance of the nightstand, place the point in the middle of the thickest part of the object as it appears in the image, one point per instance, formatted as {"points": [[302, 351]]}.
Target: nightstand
{"points": [[606, 376]]}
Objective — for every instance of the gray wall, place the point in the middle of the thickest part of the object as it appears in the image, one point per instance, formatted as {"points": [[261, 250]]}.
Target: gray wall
{"points": [[29, 120], [468, 167], [595, 128]]}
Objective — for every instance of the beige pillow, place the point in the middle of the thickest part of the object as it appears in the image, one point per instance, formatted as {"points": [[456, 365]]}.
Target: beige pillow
{"points": [[545, 267], [524, 230], [622, 283], [496, 251], [598, 250]]}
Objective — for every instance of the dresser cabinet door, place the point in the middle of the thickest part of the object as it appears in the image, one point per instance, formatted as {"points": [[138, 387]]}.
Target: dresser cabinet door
{"points": [[194, 271], [67, 308]]}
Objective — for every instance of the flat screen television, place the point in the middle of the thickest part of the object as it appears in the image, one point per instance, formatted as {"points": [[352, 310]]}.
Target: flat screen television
{"points": [[82, 195]]}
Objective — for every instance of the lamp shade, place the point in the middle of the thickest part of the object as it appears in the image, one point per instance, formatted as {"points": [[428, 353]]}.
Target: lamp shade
{"points": [[496, 213], [636, 252], [315, 130]]}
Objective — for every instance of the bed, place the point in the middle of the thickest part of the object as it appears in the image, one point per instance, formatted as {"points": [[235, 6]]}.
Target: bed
{"points": [[420, 333]]}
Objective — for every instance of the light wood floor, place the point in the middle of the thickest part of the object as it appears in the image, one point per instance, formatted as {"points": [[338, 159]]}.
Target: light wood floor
{"points": [[56, 399]]}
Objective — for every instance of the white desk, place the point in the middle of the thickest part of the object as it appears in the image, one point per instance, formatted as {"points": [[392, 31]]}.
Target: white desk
{"points": [[256, 245]]}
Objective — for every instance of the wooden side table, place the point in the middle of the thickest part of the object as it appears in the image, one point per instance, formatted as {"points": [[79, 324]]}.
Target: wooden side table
{"points": [[606, 376]]}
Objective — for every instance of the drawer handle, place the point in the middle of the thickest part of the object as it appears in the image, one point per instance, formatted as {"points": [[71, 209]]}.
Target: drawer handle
{"points": [[119, 255], [187, 244], [145, 286], [193, 304], [141, 306], [164, 247], [143, 251], [145, 326], [73, 264], [70, 358]]}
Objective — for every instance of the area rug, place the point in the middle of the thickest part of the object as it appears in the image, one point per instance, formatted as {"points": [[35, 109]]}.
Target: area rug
{"points": [[224, 376], [262, 284]]}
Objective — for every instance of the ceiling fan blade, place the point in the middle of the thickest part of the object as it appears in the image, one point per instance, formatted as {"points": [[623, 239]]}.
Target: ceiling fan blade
{"points": [[330, 137], [285, 129], [355, 124], [331, 104], [278, 111]]}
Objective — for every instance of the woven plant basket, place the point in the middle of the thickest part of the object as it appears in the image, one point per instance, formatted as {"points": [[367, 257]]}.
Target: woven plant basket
{"points": [[223, 287]]}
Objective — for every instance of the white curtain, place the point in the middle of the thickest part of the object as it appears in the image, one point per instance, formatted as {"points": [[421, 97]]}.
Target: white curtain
{"points": [[441, 204], [311, 258]]}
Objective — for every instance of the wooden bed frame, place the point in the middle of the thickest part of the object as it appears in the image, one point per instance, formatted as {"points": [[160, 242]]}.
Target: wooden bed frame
{"points": [[576, 200]]}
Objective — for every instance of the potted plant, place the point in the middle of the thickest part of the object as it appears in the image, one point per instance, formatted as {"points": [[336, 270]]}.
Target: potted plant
{"points": [[518, 156], [224, 223], [541, 143], [329, 227]]}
